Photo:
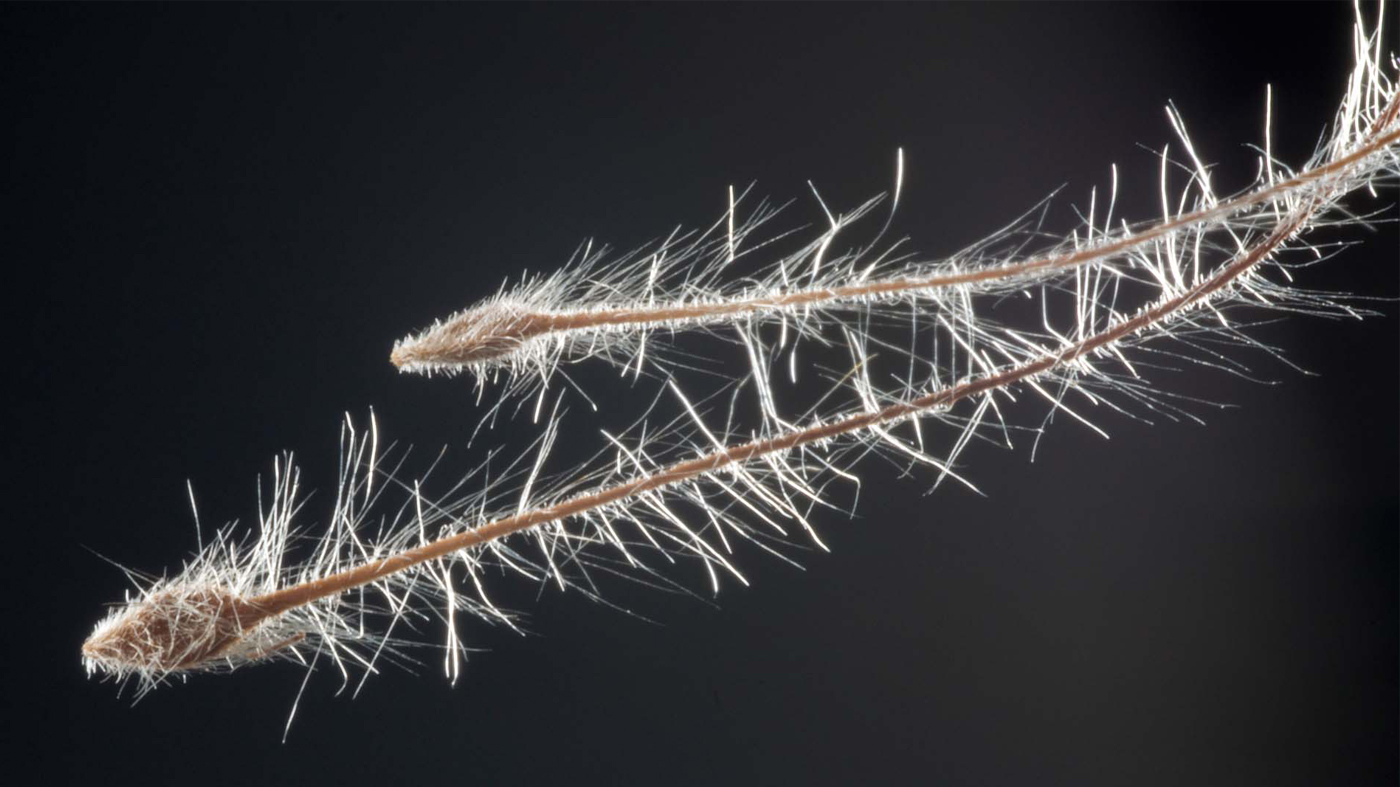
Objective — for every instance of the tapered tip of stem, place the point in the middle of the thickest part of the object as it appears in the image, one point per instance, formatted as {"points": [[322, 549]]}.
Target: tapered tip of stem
{"points": [[174, 629], [489, 334], [425, 353]]}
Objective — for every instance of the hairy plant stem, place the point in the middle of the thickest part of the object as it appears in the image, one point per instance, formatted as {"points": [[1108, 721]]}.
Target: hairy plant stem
{"points": [[257, 609], [519, 328]]}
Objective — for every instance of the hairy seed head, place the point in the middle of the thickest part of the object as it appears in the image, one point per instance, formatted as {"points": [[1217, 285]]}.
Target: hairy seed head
{"points": [[479, 335], [173, 629]]}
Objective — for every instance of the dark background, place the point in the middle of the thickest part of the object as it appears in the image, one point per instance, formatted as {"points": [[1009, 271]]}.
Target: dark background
{"points": [[219, 218]]}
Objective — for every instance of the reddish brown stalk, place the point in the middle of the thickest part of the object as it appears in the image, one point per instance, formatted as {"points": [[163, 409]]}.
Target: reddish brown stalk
{"points": [[462, 339], [275, 603], [290, 598]]}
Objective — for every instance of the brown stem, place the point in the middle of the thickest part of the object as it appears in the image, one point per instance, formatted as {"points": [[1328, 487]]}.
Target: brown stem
{"points": [[519, 328], [283, 600], [289, 598]]}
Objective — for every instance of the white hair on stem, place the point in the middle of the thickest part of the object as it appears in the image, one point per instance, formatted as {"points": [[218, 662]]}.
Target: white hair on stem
{"points": [[695, 486], [619, 309]]}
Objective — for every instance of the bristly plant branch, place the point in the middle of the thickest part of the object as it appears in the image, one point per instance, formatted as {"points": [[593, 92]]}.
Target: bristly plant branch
{"points": [[507, 331], [688, 489]]}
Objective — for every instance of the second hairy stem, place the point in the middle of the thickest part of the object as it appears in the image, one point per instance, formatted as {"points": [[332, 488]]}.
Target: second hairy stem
{"points": [[464, 341], [271, 604], [289, 598]]}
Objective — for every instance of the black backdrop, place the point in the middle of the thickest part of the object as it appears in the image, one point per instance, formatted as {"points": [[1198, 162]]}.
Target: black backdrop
{"points": [[219, 218]]}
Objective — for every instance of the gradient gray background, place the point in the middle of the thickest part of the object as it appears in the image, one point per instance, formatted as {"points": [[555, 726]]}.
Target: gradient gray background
{"points": [[220, 218]]}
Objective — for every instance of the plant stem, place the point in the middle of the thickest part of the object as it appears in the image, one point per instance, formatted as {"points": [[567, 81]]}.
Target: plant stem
{"points": [[275, 603], [519, 328]]}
